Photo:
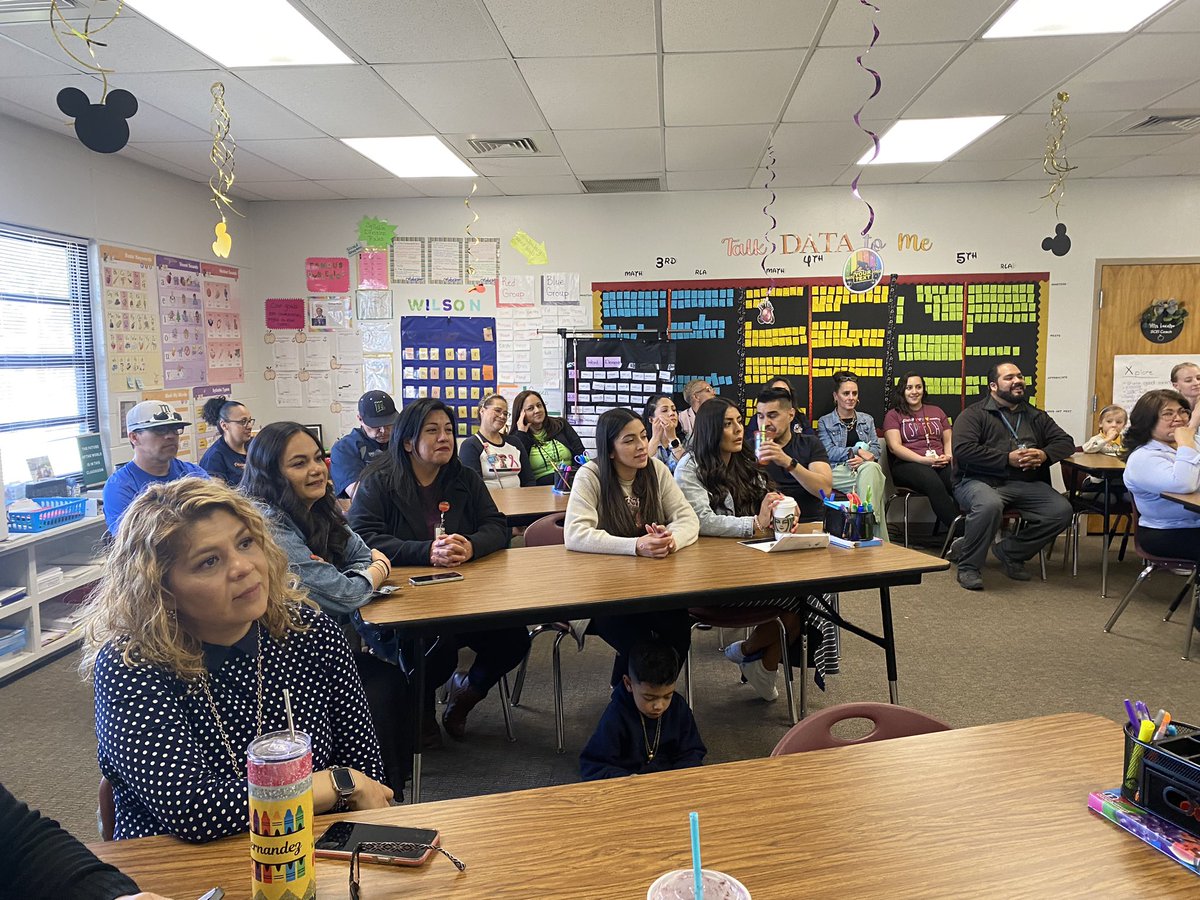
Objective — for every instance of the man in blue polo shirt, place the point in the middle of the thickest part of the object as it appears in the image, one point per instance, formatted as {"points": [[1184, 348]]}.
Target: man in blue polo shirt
{"points": [[350, 455], [154, 429]]}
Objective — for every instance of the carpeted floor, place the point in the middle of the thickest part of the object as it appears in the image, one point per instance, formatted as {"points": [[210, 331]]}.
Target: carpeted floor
{"points": [[1009, 652]]}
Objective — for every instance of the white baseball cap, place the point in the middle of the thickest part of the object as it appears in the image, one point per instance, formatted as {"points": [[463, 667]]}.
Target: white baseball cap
{"points": [[152, 414]]}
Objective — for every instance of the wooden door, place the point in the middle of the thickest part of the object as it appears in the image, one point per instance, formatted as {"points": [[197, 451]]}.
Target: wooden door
{"points": [[1126, 292]]}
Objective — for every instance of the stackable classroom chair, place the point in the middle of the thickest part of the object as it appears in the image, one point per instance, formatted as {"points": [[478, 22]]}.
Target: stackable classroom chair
{"points": [[1009, 515], [548, 531], [1073, 478], [1158, 563], [816, 731], [106, 812], [750, 617]]}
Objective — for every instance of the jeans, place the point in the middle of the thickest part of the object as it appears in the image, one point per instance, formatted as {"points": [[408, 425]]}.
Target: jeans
{"points": [[868, 482], [1044, 513], [936, 485], [497, 652]]}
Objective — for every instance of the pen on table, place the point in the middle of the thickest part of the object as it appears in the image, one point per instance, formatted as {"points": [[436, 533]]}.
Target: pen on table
{"points": [[215, 894], [1132, 713]]}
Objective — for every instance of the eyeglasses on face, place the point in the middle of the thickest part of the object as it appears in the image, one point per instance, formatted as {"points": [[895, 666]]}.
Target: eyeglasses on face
{"points": [[245, 423]]}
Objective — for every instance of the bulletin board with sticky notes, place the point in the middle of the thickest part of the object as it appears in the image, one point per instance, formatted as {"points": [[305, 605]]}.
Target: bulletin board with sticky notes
{"points": [[949, 328], [452, 359]]}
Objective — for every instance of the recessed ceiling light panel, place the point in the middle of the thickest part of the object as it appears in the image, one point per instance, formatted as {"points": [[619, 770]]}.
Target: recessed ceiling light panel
{"points": [[1041, 18], [928, 140], [412, 157]]}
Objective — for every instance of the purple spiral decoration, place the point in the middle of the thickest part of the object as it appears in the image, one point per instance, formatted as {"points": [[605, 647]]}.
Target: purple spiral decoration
{"points": [[858, 117], [767, 235]]}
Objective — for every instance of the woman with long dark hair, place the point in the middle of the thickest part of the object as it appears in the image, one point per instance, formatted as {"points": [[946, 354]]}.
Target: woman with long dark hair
{"points": [[226, 457], [919, 438], [624, 502], [286, 474], [668, 440], [421, 506], [733, 497], [548, 440], [1163, 458]]}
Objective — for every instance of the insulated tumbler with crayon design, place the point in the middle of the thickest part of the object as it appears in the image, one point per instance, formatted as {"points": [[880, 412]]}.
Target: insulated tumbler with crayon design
{"points": [[279, 770]]}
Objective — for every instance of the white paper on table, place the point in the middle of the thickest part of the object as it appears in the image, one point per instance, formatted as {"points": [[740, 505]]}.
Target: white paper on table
{"points": [[318, 390], [285, 356], [349, 348], [317, 353], [348, 381], [287, 391]]}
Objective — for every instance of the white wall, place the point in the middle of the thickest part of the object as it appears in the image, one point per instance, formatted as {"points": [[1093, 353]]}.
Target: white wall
{"points": [[603, 237]]}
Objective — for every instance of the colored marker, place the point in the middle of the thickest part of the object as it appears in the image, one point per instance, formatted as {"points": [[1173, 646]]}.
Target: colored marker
{"points": [[1131, 712], [1143, 711], [1165, 727]]}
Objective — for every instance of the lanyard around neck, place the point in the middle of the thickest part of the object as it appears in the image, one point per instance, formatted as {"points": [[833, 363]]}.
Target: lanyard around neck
{"points": [[1007, 424]]}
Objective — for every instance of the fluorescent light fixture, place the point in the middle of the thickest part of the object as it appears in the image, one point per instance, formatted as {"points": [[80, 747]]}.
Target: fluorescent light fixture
{"points": [[244, 33], [928, 140], [412, 157], [1039, 18]]}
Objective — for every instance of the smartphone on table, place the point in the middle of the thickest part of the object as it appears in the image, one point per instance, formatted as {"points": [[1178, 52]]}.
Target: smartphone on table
{"points": [[436, 578], [340, 839]]}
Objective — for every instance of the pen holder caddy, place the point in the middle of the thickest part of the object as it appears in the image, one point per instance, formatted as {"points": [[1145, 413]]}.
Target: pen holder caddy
{"points": [[849, 524], [1163, 777], [564, 475]]}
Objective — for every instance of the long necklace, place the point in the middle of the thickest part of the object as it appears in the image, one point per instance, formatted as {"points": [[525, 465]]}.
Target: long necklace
{"points": [[212, 706], [651, 750], [538, 445]]}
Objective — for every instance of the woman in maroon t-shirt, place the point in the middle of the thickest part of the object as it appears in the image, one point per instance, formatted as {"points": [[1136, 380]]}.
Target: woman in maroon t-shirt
{"points": [[918, 438]]}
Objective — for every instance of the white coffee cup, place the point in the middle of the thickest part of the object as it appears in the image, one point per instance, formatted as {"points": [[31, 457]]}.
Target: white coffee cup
{"points": [[784, 516]]}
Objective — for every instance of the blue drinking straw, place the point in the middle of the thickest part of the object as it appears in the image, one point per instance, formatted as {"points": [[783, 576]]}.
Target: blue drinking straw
{"points": [[694, 820]]}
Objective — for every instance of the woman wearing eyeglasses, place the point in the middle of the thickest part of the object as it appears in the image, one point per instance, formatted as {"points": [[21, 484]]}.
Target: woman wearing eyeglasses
{"points": [[226, 458], [488, 452]]}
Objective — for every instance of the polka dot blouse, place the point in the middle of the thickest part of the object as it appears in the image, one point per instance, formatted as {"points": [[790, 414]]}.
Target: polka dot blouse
{"points": [[161, 749]]}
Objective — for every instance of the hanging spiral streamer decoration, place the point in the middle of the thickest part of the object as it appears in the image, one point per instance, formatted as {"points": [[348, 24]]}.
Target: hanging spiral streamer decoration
{"points": [[472, 240], [858, 119], [766, 311], [223, 148], [1055, 163], [87, 35]]}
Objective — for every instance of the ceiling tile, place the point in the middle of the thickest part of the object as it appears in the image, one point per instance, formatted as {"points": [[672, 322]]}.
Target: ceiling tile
{"points": [[728, 88], [543, 140], [595, 92], [1189, 147], [371, 188], [318, 158], [453, 187], [574, 27], [188, 96], [34, 117], [244, 193], [1024, 137], [1127, 145], [521, 165], [294, 190], [976, 170], [894, 173], [1186, 99], [613, 152], [910, 23], [1153, 167], [1085, 168], [833, 86], [797, 176], [711, 148], [1000, 77], [320, 94], [724, 180], [133, 45], [537, 184], [137, 155], [1183, 16], [799, 143], [17, 59], [396, 31], [194, 155], [695, 25], [479, 96]]}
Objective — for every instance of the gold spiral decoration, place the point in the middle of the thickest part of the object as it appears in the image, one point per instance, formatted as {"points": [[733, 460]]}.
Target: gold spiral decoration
{"points": [[87, 35], [1055, 162]]}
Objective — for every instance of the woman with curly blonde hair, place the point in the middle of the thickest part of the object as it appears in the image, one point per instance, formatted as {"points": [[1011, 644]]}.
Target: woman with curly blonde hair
{"points": [[192, 635]]}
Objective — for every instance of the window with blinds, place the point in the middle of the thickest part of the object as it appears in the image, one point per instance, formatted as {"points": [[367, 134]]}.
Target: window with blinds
{"points": [[47, 358]]}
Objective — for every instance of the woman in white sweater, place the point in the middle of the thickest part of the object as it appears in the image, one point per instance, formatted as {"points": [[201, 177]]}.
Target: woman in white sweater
{"points": [[624, 502]]}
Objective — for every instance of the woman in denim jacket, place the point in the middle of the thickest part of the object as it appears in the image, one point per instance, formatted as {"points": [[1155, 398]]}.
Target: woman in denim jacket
{"points": [[854, 451]]}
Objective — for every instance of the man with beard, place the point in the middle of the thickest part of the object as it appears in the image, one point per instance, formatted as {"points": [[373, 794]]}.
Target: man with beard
{"points": [[1003, 450]]}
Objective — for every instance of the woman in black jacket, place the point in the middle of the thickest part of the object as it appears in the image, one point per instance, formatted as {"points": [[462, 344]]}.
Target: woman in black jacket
{"points": [[549, 440], [419, 505]]}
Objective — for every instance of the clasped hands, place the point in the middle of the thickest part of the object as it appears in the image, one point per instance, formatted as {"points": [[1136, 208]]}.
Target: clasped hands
{"points": [[656, 543], [450, 550], [1027, 458]]}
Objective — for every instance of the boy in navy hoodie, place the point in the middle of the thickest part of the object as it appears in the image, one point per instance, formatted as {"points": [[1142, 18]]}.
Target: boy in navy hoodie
{"points": [[647, 726]]}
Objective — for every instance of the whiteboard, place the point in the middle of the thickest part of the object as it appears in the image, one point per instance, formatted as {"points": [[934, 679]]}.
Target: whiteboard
{"points": [[1135, 374]]}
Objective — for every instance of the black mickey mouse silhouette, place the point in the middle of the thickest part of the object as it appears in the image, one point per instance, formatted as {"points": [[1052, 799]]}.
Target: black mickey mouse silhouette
{"points": [[1060, 244], [100, 126]]}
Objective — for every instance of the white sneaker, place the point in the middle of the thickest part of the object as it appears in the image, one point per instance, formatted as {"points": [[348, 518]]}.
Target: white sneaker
{"points": [[764, 682]]}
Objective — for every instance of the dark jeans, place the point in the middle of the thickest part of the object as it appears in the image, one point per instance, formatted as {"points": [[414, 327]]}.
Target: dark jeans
{"points": [[497, 652], [935, 484], [671, 626], [1044, 512], [390, 700], [1173, 543]]}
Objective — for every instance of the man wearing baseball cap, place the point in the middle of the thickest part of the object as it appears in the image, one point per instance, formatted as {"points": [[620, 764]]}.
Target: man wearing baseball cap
{"points": [[154, 429], [350, 455]]}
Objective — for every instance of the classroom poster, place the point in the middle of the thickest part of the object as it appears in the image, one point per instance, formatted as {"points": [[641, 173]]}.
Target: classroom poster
{"points": [[560, 289], [288, 394], [180, 400], [373, 270], [444, 260], [285, 313], [408, 260], [131, 332], [452, 359], [517, 290], [223, 323], [376, 337], [604, 374], [327, 274], [378, 374], [329, 313], [181, 320], [374, 304], [482, 260]]}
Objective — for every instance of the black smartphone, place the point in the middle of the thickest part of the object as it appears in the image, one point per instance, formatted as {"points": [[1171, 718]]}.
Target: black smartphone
{"points": [[340, 839], [438, 578]]}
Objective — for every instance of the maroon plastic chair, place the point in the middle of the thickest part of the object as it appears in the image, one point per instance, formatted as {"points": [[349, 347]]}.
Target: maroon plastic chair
{"points": [[546, 532], [106, 813], [816, 732], [1154, 564]]}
